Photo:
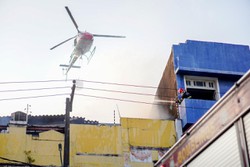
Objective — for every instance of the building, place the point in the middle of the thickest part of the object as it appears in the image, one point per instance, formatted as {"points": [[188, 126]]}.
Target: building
{"points": [[206, 70], [133, 143], [205, 81], [40, 123], [221, 137]]}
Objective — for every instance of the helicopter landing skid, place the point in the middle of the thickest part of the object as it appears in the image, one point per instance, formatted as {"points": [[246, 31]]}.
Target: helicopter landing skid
{"points": [[65, 68], [65, 65]]}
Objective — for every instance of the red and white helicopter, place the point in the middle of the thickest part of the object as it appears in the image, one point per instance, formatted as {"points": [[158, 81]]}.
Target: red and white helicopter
{"points": [[82, 43]]}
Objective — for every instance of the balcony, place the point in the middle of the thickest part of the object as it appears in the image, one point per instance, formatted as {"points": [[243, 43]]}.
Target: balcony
{"points": [[191, 110]]}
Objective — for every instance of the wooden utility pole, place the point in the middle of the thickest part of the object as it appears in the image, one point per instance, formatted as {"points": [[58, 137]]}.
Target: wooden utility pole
{"points": [[69, 104]]}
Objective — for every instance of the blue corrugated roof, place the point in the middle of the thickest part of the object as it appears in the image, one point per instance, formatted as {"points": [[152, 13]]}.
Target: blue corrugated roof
{"points": [[49, 120]]}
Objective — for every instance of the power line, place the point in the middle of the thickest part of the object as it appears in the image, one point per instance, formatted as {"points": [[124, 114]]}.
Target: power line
{"points": [[121, 84], [107, 90], [135, 101], [33, 97], [109, 98], [125, 92], [33, 89], [25, 82], [97, 89], [19, 162], [99, 97], [137, 86], [89, 88], [99, 82]]}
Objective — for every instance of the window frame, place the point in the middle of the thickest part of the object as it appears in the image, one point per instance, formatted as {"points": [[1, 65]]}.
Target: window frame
{"points": [[206, 80]]}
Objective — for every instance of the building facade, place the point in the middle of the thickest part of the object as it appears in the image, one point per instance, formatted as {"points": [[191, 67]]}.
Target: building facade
{"points": [[221, 137], [206, 70], [133, 143]]}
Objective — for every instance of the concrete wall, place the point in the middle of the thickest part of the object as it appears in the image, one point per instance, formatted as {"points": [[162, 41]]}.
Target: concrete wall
{"points": [[43, 149], [167, 92], [136, 143], [145, 140]]}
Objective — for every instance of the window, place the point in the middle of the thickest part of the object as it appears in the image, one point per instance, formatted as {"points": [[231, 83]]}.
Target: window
{"points": [[188, 83], [202, 87], [211, 85]]}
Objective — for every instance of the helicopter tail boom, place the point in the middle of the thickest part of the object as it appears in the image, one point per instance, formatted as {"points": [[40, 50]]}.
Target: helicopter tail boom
{"points": [[109, 36]]}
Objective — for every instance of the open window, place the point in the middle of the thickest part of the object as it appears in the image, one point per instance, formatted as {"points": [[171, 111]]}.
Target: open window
{"points": [[205, 88]]}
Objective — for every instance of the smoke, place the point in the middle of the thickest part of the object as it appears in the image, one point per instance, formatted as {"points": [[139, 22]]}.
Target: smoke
{"points": [[163, 109]]}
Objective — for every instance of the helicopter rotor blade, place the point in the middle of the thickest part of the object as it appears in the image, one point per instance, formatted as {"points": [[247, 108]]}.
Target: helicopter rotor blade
{"points": [[109, 36], [72, 18], [62, 42]]}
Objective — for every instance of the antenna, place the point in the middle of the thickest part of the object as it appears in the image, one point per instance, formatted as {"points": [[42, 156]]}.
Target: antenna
{"points": [[27, 111], [118, 111]]}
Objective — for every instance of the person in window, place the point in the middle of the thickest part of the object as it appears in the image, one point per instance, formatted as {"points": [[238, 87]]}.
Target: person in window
{"points": [[182, 94]]}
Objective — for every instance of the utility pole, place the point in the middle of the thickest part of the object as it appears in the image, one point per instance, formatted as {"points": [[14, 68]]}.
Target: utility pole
{"points": [[69, 104]]}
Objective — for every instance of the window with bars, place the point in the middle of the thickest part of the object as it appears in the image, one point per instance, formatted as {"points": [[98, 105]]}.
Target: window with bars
{"points": [[202, 87]]}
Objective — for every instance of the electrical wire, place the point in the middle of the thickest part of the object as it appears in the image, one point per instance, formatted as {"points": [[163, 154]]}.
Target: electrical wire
{"points": [[33, 97], [122, 84], [98, 82], [19, 162], [118, 91], [109, 98], [107, 90], [25, 82], [138, 86], [135, 101], [34, 89], [99, 97], [96, 89]]}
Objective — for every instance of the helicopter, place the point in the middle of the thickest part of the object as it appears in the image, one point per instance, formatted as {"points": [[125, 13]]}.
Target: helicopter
{"points": [[83, 42]]}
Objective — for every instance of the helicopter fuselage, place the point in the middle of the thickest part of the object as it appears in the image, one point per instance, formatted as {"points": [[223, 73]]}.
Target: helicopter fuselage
{"points": [[83, 43]]}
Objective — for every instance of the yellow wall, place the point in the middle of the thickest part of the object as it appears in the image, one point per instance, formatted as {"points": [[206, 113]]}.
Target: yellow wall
{"points": [[147, 133], [44, 149], [91, 145]]}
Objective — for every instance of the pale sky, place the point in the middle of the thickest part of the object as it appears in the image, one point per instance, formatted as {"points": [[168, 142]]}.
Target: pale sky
{"points": [[28, 29]]}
